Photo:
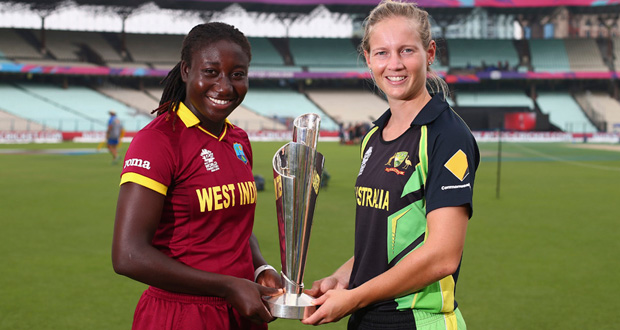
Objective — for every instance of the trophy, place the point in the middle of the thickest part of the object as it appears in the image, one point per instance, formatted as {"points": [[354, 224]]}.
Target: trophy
{"points": [[297, 170]]}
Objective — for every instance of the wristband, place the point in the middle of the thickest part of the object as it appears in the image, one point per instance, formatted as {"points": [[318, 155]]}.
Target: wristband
{"points": [[261, 269]]}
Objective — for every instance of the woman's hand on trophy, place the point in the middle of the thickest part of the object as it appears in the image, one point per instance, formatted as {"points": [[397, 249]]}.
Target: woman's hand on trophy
{"points": [[247, 298], [269, 278], [332, 306], [320, 287]]}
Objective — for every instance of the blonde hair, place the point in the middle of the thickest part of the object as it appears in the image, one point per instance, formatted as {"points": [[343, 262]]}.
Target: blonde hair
{"points": [[395, 8]]}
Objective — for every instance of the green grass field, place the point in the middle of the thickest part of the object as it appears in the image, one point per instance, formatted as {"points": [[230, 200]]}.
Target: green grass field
{"points": [[542, 256]]}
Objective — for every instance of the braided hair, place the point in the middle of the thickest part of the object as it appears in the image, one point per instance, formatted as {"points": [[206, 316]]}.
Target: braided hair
{"points": [[200, 36]]}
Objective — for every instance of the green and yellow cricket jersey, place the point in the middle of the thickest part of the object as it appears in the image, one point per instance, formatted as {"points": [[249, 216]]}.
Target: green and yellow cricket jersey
{"points": [[431, 165]]}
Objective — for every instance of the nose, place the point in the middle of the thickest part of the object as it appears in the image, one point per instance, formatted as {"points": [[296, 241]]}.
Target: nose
{"points": [[395, 62], [223, 85]]}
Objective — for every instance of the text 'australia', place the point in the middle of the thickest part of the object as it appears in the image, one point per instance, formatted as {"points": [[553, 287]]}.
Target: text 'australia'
{"points": [[225, 196], [372, 197]]}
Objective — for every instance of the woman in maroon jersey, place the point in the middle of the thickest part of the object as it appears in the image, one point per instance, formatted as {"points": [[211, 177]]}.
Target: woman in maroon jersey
{"points": [[187, 198]]}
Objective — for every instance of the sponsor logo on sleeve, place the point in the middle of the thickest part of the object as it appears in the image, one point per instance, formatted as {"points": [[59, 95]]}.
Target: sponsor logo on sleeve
{"points": [[457, 165], [137, 162]]}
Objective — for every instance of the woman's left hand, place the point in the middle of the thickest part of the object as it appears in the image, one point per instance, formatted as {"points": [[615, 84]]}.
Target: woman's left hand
{"points": [[270, 278], [332, 306]]}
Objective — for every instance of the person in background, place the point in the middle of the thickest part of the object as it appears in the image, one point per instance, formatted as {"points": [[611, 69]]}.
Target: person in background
{"points": [[113, 135], [187, 198], [413, 191]]}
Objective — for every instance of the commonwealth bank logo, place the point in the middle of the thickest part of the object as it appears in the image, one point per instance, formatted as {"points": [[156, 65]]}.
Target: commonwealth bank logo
{"points": [[457, 165]]}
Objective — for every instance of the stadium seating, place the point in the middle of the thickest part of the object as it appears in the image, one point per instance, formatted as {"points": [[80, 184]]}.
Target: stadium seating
{"points": [[604, 106], [326, 54], [264, 53], [87, 104], [139, 100], [24, 104], [494, 99], [481, 53], [349, 106], [284, 105], [13, 46], [564, 112], [251, 121], [584, 55], [10, 122], [156, 48], [68, 45], [549, 55]]}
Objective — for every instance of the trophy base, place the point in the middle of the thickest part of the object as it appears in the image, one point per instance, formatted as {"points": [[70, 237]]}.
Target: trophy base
{"points": [[291, 306]]}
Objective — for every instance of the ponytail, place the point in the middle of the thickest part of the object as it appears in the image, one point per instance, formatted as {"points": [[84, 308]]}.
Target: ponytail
{"points": [[174, 92]]}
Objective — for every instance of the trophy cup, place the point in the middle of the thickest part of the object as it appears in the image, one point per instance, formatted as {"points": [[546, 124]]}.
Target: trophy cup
{"points": [[297, 169]]}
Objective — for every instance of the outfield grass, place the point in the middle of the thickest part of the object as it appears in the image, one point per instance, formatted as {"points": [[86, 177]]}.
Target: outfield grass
{"points": [[542, 256]]}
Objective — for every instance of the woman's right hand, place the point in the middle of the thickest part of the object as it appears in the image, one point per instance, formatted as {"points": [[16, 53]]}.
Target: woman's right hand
{"points": [[323, 285], [247, 298]]}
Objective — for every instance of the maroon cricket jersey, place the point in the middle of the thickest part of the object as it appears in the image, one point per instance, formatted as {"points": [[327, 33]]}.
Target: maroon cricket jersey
{"points": [[210, 191]]}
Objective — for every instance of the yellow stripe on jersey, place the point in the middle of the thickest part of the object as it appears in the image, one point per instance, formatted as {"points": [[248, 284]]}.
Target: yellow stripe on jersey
{"points": [[145, 182], [366, 138], [450, 319], [446, 285]]}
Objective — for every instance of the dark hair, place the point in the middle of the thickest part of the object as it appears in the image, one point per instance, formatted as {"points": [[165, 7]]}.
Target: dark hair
{"points": [[200, 36]]}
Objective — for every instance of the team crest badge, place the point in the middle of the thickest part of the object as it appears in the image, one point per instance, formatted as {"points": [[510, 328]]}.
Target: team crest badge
{"points": [[400, 159], [240, 154]]}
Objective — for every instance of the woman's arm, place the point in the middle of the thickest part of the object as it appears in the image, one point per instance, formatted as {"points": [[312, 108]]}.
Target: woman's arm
{"points": [[338, 280], [138, 214], [268, 277], [437, 258]]}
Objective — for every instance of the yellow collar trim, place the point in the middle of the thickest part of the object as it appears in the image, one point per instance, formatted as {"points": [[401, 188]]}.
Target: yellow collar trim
{"points": [[190, 120]]}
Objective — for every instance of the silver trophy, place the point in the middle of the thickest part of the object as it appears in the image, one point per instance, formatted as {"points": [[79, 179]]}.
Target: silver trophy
{"points": [[297, 170]]}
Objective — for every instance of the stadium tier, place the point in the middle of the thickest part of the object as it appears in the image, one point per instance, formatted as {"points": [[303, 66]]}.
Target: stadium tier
{"points": [[603, 107], [549, 55], [468, 53], [564, 112], [349, 107], [283, 106], [494, 99], [509, 53]]}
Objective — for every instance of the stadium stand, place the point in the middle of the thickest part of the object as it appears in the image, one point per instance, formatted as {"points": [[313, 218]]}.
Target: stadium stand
{"points": [[604, 106], [13, 46], [485, 42], [87, 104], [251, 121], [335, 54], [549, 55], [494, 99], [284, 105], [584, 55], [80, 47], [139, 100], [11, 122], [349, 106], [465, 53], [24, 104], [160, 49], [564, 112]]}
